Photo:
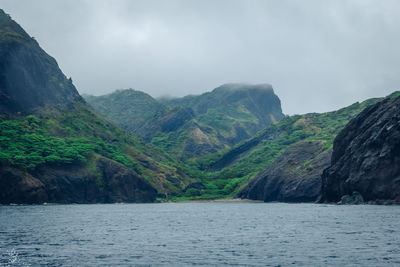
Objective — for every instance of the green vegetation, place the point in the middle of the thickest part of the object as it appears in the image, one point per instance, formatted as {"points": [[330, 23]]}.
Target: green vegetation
{"points": [[24, 143], [224, 121], [172, 142]]}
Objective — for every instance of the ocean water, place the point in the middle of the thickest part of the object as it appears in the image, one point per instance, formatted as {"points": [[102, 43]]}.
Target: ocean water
{"points": [[208, 234]]}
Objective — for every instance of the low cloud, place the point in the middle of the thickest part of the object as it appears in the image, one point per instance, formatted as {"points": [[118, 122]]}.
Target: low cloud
{"points": [[318, 55]]}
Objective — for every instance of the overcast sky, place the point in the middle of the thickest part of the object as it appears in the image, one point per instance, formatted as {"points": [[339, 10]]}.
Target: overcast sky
{"points": [[318, 55]]}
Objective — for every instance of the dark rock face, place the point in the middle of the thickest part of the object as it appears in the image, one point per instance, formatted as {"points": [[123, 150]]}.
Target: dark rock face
{"points": [[121, 184], [111, 183], [353, 199], [29, 78], [19, 187], [293, 177], [366, 156]]}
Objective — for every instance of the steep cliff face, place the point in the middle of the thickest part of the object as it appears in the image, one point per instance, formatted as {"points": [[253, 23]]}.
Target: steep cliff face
{"points": [[55, 148], [366, 156], [295, 176], [29, 78]]}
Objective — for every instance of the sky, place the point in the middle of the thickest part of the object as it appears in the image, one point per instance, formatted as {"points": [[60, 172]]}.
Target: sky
{"points": [[318, 55]]}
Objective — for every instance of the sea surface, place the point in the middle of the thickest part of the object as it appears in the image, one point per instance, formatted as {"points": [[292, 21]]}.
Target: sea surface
{"points": [[208, 234]]}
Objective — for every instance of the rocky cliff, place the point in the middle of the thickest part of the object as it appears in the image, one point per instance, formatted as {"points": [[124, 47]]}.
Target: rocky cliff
{"points": [[295, 176], [366, 156], [110, 182], [29, 78]]}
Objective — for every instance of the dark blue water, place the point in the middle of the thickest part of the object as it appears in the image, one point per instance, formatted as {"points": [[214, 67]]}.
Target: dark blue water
{"points": [[199, 234]]}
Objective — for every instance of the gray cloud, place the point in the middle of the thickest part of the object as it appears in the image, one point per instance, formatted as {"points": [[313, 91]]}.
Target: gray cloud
{"points": [[318, 55]]}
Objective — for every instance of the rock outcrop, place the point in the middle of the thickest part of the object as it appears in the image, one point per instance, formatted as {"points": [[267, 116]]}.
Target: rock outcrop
{"points": [[295, 176], [353, 199], [110, 182], [366, 156], [20, 187]]}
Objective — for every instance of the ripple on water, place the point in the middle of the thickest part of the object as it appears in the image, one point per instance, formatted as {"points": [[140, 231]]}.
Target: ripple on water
{"points": [[252, 234]]}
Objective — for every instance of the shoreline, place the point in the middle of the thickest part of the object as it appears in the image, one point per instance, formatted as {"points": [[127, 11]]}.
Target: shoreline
{"points": [[227, 201], [233, 200]]}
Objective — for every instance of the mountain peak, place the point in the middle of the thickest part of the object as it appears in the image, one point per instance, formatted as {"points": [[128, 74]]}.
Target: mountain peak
{"points": [[132, 109], [29, 77]]}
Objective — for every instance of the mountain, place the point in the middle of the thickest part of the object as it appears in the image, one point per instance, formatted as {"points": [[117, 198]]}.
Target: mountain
{"points": [[366, 158], [55, 148], [194, 126], [281, 163], [133, 110], [258, 101], [284, 162], [232, 141]]}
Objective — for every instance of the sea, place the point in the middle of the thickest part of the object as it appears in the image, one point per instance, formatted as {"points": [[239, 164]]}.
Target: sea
{"points": [[199, 234]]}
